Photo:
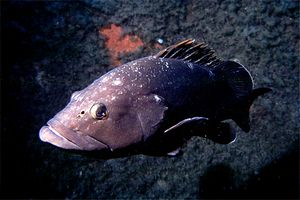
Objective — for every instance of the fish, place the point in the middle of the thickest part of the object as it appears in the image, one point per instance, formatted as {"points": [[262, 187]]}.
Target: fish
{"points": [[158, 102]]}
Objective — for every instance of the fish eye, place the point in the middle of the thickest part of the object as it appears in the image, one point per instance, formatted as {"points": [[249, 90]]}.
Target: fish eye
{"points": [[99, 111]]}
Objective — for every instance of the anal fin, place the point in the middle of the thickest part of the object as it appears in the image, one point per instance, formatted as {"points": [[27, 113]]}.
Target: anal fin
{"points": [[176, 152]]}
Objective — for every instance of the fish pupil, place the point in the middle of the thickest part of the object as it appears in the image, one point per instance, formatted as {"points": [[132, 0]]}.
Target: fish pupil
{"points": [[101, 111]]}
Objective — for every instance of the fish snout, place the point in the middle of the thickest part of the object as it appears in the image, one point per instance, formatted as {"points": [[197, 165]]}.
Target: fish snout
{"points": [[61, 136], [47, 134]]}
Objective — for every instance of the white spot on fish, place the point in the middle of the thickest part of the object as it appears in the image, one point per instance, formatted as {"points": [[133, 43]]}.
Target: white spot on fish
{"points": [[133, 80], [113, 98], [117, 81], [157, 98], [105, 79], [190, 65], [167, 64]]}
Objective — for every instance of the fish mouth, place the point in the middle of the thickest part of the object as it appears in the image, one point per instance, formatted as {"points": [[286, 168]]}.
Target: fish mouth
{"points": [[61, 136]]}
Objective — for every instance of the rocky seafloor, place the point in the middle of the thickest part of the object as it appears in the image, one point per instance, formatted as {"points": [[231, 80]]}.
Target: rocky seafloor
{"points": [[50, 49]]}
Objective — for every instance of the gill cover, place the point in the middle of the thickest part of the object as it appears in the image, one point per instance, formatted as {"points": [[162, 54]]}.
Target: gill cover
{"points": [[150, 112]]}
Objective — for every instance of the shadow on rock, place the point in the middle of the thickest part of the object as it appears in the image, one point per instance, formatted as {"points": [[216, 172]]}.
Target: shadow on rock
{"points": [[217, 182], [278, 180]]}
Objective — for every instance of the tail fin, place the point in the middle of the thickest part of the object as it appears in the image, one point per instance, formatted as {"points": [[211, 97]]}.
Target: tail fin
{"points": [[236, 76], [256, 93], [239, 80], [241, 116]]}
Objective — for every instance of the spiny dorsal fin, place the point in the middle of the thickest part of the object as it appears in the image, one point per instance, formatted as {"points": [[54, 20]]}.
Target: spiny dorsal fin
{"points": [[191, 51]]}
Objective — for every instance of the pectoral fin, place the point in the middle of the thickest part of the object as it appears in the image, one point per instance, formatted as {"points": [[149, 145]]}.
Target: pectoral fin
{"points": [[186, 123], [219, 132]]}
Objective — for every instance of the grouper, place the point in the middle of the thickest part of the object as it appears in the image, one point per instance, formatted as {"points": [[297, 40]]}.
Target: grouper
{"points": [[158, 102]]}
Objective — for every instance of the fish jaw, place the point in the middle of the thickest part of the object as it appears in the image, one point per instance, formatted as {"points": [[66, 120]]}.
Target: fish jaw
{"points": [[59, 135], [47, 134]]}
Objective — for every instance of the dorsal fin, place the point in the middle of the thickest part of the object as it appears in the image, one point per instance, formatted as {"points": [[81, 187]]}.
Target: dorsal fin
{"points": [[190, 51]]}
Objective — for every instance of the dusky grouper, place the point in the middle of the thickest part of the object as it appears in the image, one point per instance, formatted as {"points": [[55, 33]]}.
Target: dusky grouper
{"points": [[184, 90]]}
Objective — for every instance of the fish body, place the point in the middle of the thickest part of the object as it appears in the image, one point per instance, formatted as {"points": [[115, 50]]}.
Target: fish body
{"points": [[183, 90]]}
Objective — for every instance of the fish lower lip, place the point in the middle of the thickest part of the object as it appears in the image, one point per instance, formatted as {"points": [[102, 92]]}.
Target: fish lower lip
{"points": [[59, 135], [48, 134]]}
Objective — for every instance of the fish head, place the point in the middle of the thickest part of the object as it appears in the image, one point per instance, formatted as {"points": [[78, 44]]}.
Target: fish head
{"points": [[103, 116]]}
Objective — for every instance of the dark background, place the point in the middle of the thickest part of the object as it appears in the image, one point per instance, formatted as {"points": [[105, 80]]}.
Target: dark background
{"points": [[50, 49]]}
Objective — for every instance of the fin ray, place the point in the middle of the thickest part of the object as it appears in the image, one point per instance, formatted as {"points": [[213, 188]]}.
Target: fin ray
{"points": [[190, 51]]}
